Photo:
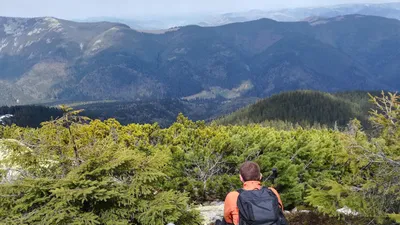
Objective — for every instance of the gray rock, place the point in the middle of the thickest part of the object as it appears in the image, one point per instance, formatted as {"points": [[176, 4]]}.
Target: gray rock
{"points": [[212, 212]]}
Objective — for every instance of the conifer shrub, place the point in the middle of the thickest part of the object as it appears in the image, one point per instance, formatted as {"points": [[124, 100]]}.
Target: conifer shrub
{"points": [[77, 171], [73, 171]]}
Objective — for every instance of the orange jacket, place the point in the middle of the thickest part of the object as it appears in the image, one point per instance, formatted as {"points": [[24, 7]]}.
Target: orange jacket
{"points": [[231, 211]]}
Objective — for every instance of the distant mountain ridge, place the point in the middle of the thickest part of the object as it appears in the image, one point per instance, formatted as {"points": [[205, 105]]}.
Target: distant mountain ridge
{"points": [[48, 59], [388, 10]]}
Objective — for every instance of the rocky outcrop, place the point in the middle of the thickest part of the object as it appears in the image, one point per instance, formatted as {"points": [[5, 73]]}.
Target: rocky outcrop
{"points": [[12, 172], [211, 212]]}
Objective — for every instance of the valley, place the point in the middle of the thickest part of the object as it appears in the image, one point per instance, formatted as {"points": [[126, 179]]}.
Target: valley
{"points": [[286, 110]]}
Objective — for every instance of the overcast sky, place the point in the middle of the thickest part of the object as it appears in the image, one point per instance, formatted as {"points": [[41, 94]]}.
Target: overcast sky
{"points": [[76, 9]]}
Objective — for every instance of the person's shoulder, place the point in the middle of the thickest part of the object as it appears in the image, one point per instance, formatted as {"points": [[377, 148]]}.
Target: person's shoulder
{"points": [[232, 195]]}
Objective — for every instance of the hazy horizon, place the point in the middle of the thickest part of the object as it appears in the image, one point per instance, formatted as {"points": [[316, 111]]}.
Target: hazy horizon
{"points": [[78, 9]]}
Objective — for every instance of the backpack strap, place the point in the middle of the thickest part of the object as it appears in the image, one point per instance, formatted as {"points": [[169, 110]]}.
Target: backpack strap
{"points": [[283, 220], [273, 193]]}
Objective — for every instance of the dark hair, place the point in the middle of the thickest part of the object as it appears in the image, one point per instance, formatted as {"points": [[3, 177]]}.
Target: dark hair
{"points": [[250, 171]]}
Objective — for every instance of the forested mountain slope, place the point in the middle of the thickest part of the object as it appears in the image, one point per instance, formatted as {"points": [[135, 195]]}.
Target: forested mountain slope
{"points": [[306, 108], [29, 115], [48, 59]]}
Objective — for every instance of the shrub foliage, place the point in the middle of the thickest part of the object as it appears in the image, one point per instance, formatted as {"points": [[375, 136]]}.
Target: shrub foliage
{"points": [[77, 171]]}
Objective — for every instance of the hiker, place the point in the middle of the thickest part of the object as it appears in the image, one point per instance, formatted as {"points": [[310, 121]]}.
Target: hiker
{"points": [[253, 204]]}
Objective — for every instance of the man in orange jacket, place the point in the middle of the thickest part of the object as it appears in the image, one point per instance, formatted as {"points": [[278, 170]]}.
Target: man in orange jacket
{"points": [[251, 177]]}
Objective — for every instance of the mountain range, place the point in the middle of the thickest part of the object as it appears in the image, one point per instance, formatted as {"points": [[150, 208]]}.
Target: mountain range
{"points": [[49, 59], [388, 10]]}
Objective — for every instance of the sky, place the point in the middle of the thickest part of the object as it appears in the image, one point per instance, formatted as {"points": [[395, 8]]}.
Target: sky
{"points": [[81, 9]]}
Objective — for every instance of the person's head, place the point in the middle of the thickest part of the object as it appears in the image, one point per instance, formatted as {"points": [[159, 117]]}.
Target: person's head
{"points": [[250, 171]]}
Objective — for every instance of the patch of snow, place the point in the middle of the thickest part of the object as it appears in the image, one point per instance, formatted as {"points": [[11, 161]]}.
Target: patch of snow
{"points": [[319, 22], [48, 40], [180, 51], [172, 58], [6, 116], [31, 56], [114, 29], [347, 211], [29, 43], [81, 46], [53, 24], [15, 42], [35, 31], [97, 45], [3, 45], [279, 15], [13, 27], [97, 42], [20, 48]]}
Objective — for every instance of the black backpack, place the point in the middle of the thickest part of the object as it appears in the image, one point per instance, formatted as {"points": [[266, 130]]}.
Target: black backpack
{"points": [[259, 207]]}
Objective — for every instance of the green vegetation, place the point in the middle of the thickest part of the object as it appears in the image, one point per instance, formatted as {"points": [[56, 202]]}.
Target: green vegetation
{"points": [[76, 171], [306, 108]]}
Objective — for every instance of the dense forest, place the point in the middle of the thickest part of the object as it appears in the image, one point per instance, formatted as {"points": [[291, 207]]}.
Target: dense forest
{"points": [[30, 115], [161, 111], [305, 108], [74, 170], [284, 111]]}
